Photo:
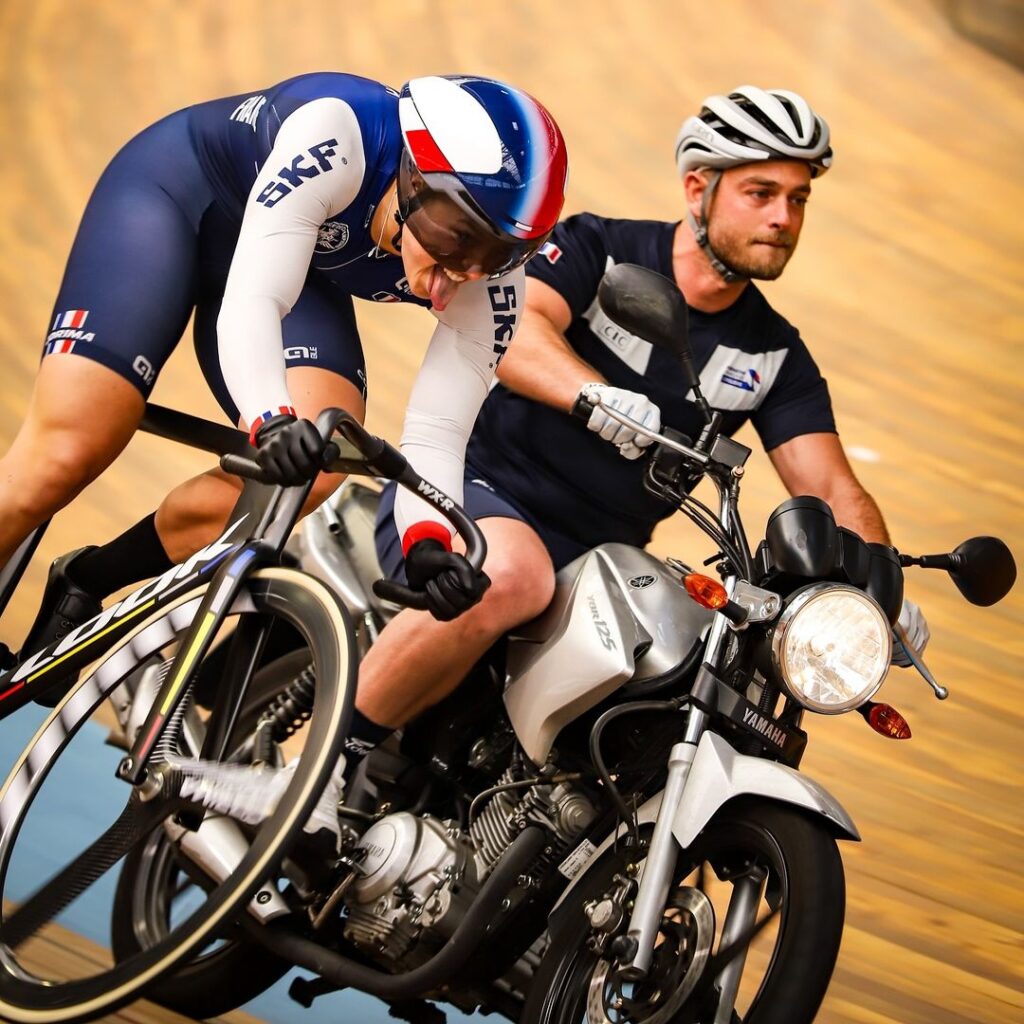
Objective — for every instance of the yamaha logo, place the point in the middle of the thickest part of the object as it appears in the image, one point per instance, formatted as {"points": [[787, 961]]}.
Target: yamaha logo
{"points": [[639, 582]]}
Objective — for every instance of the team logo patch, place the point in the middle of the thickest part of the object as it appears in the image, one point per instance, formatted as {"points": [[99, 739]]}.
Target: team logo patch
{"points": [[144, 368], [332, 236], [300, 352], [67, 331], [384, 297], [745, 380], [734, 379]]}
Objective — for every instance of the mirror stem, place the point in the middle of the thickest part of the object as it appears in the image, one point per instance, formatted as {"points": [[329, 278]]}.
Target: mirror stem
{"points": [[711, 428]]}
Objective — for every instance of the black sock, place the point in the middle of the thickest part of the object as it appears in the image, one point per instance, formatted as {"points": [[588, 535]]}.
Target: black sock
{"points": [[136, 555], [363, 736]]}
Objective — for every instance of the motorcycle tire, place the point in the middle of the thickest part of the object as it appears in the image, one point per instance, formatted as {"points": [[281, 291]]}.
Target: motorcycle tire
{"points": [[804, 880]]}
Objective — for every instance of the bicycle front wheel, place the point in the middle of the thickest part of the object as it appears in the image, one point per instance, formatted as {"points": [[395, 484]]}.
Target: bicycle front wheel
{"points": [[55, 959]]}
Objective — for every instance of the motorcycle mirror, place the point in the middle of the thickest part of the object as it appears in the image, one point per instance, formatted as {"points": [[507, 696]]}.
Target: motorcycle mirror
{"points": [[651, 306], [984, 570]]}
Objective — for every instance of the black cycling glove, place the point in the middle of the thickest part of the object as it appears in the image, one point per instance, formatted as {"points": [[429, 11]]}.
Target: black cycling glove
{"points": [[451, 584], [289, 450]]}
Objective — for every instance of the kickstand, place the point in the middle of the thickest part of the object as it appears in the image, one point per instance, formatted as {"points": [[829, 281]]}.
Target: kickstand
{"points": [[304, 990]]}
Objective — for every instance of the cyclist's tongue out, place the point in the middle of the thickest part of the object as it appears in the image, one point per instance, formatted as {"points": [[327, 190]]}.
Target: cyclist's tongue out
{"points": [[442, 289]]}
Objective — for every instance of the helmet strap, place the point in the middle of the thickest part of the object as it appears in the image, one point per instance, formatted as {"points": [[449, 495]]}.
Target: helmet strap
{"points": [[396, 238], [700, 232]]}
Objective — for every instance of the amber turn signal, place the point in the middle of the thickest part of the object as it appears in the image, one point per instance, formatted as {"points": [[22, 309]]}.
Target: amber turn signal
{"points": [[705, 591], [885, 720]]}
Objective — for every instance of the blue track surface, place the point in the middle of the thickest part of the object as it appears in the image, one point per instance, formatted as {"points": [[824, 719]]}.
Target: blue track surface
{"points": [[75, 794]]}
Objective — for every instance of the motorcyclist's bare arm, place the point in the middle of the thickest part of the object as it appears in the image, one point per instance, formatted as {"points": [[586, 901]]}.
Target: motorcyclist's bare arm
{"points": [[541, 365], [816, 464]]}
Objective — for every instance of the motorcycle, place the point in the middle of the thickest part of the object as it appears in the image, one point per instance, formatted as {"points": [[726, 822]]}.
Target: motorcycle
{"points": [[607, 821]]}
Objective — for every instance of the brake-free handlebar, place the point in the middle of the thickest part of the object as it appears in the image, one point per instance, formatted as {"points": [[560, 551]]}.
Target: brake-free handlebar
{"points": [[379, 459]]}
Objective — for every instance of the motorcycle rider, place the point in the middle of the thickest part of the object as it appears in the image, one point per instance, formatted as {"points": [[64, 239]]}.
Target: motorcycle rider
{"points": [[542, 488], [266, 213]]}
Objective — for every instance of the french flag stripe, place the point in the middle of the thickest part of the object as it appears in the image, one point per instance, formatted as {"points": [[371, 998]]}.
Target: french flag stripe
{"points": [[425, 152], [67, 345], [73, 318]]}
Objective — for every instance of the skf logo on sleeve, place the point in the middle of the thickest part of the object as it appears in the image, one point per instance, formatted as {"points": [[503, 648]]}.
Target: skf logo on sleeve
{"points": [[67, 331], [503, 302], [295, 173], [550, 252]]}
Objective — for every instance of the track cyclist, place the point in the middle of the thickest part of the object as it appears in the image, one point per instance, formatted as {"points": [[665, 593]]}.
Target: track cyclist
{"points": [[265, 213]]}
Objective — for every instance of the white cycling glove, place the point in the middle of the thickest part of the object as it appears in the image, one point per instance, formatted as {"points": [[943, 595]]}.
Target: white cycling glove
{"points": [[629, 403], [913, 624]]}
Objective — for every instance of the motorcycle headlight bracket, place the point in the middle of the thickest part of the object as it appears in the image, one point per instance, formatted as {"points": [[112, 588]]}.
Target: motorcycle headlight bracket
{"points": [[831, 648]]}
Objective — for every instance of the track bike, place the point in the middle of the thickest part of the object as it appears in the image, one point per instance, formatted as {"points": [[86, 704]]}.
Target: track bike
{"points": [[164, 630], [607, 822]]}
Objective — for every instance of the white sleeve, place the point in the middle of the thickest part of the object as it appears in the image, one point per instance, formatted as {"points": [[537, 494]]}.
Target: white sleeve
{"points": [[314, 172], [469, 340]]}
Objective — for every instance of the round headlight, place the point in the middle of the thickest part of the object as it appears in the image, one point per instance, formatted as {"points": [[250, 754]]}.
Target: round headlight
{"points": [[832, 647]]}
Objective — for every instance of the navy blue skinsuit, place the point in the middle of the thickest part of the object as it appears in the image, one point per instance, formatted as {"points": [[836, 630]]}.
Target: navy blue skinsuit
{"points": [[158, 235]]}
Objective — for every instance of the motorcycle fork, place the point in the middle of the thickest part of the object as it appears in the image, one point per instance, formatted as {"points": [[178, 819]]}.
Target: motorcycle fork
{"points": [[664, 850], [661, 859], [740, 920]]}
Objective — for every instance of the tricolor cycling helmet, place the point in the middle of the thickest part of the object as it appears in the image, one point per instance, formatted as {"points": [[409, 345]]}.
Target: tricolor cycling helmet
{"points": [[747, 126], [753, 124], [483, 171]]}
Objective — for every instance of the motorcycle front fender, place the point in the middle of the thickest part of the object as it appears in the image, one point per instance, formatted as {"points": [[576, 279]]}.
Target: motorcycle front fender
{"points": [[720, 774]]}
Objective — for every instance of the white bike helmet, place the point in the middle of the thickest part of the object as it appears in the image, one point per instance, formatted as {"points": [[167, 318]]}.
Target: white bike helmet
{"points": [[753, 124], [747, 126]]}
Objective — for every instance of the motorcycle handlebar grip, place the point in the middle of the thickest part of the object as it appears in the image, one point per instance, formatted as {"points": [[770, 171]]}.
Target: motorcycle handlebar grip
{"points": [[581, 409], [398, 593]]}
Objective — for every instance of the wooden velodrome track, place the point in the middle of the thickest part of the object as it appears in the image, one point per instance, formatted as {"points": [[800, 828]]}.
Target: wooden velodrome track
{"points": [[908, 289]]}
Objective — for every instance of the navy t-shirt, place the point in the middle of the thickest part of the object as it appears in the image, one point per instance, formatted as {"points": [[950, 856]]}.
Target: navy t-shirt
{"points": [[752, 363]]}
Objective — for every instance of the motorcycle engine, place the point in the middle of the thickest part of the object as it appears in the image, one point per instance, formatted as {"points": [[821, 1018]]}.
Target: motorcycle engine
{"points": [[418, 875]]}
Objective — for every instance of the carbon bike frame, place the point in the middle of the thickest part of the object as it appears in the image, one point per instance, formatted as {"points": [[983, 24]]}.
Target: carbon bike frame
{"points": [[260, 524]]}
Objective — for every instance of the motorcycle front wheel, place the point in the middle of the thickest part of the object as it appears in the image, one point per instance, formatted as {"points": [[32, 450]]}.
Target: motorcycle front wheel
{"points": [[775, 856]]}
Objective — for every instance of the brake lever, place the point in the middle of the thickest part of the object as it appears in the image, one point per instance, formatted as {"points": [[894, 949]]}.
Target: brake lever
{"points": [[583, 407], [941, 692]]}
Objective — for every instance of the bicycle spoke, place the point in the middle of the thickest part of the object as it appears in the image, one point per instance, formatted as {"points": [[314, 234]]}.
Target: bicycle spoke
{"points": [[135, 821]]}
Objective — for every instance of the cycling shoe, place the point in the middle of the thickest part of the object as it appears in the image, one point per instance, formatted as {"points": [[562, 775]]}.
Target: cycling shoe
{"points": [[64, 607]]}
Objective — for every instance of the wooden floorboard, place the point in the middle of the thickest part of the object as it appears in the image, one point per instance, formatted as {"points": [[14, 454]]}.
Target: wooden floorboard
{"points": [[908, 288]]}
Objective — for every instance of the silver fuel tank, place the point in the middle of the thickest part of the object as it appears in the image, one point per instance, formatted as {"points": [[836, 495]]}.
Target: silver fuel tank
{"points": [[617, 615]]}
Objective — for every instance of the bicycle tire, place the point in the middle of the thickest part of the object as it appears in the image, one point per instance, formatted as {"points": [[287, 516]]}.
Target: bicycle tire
{"points": [[290, 595]]}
